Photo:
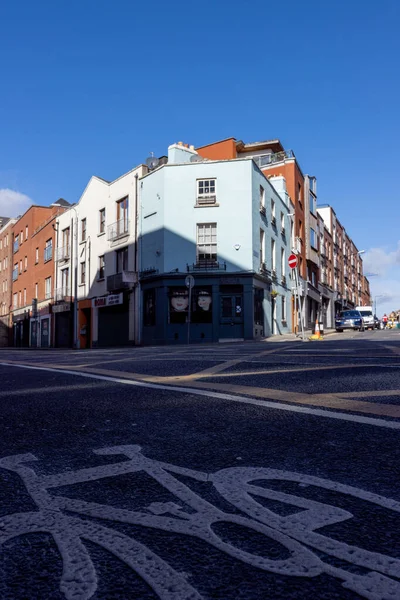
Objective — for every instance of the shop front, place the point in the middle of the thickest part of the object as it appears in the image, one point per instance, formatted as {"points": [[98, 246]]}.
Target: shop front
{"points": [[217, 308], [63, 325], [112, 320], [21, 329]]}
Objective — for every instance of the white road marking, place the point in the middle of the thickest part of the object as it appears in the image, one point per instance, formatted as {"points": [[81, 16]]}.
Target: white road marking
{"points": [[316, 412], [299, 532]]}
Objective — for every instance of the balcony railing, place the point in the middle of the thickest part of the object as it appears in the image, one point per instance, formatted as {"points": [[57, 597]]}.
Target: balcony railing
{"points": [[206, 265], [273, 221], [121, 281], [48, 253], [118, 230], [62, 294], [263, 210], [63, 253], [283, 280], [269, 159], [16, 246], [15, 274]]}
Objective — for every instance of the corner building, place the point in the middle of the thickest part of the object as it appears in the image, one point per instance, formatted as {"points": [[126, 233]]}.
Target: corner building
{"points": [[274, 161], [224, 224]]}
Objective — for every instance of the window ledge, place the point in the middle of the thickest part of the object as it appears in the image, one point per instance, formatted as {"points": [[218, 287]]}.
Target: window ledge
{"points": [[101, 234], [82, 242], [48, 260], [81, 284], [215, 204], [100, 279]]}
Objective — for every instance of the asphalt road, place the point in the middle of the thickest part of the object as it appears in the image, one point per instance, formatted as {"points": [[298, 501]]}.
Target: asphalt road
{"points": [[246, 471]]}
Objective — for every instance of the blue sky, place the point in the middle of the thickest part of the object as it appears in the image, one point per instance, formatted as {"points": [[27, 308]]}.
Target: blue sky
{"points": [[92, 87]]}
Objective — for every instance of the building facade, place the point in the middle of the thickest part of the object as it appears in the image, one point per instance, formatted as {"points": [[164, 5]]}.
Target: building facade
{"points": [[325, 282], [348, 278], [222, 223], [33, 275], [274, 161], [96, 262], [313, 298], [6, 226]]}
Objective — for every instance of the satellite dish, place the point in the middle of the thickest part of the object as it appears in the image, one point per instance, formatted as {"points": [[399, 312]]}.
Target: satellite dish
{"points": [[152, 161], [196, 158]]}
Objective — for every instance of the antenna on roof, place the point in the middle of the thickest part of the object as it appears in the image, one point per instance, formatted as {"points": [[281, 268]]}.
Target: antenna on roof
{"points": [[152, 161]]}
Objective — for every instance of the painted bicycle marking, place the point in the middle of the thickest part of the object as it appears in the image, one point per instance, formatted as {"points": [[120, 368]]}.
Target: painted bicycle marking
{"points": [[239, 486]]}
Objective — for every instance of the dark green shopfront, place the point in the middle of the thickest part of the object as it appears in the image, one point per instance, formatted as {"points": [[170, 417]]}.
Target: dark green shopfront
{"points": [[222, 308]]}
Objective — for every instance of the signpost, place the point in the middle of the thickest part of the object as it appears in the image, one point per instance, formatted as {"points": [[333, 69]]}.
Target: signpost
{"points": [[292, 261], [293, 264], [189, 282]]}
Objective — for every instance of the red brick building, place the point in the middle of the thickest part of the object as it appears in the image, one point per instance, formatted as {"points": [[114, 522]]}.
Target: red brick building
{"points": [[32, 290], [6, 226]]}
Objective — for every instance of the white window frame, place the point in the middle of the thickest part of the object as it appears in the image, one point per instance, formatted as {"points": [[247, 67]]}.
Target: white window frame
{"points": [[102, 264], [101, 223], [262, 246], [201, 242], [47, 288], [206, 191], [82, 273], [283, 308], [273, 255]]}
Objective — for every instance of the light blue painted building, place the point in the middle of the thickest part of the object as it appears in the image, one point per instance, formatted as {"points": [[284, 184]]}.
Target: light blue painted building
{"points": [[225, 224]]}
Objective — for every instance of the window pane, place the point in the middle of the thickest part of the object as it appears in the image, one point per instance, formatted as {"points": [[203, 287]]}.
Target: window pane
{"points": [[226, 307]]}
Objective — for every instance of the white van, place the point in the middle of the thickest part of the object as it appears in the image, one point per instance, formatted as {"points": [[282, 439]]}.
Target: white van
{"points": [[367, 316]]}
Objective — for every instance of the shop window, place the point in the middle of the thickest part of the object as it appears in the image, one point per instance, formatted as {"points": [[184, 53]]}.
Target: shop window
{"points": [[149, 313], [258, 306], [201, 305]]}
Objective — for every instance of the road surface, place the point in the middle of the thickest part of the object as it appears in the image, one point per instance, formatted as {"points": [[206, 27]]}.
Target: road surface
{"points": [[245, 471]]}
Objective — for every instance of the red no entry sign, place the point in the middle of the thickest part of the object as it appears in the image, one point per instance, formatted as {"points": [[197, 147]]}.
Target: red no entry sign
{"points": [[292, 261]]}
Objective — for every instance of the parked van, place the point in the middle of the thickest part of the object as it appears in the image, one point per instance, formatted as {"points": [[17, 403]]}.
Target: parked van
{"points": [[367, 316]]}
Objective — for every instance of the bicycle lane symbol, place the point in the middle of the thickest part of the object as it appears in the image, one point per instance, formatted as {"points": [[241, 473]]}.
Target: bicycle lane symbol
{"points": [[236, 485]]}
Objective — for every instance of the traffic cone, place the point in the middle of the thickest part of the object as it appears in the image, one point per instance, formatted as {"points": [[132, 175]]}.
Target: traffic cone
{"points": [[317, 331]]}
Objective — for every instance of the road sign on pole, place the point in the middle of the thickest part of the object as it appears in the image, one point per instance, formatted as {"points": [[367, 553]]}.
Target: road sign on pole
{"points": [[189, 282], [292, 261]]}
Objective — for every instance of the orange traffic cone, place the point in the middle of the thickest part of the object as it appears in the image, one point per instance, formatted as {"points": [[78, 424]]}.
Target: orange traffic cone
{"points": [[317, 331]]}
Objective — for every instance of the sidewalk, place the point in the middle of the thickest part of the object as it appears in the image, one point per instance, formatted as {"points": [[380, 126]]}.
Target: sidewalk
{"points": [[293, 337]]}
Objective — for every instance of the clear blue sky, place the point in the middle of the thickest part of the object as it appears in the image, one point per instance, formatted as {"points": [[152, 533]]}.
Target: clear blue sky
{"points": [[91, 87]]}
